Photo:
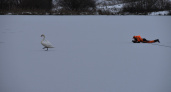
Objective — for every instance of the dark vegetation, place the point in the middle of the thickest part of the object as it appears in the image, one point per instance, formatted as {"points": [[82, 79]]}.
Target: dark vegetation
{"points": [[77, 7], [80, 7], [25, 4], [169, 12], [145, 6], [18, 6]]}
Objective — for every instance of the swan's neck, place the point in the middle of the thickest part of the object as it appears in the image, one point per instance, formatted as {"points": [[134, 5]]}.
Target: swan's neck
{"points": [[43, 38]]}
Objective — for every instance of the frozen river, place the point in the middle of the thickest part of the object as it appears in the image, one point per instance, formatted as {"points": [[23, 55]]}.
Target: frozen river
{"points": [[91, 54]]}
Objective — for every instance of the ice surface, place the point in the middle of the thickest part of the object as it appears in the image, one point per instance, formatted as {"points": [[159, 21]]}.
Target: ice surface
{"points": [[91, 54]]}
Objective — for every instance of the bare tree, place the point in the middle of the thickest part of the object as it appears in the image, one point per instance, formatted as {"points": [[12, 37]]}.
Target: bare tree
{"points": [[26, 4], [37, 4], [77, 5], [146, 5]]}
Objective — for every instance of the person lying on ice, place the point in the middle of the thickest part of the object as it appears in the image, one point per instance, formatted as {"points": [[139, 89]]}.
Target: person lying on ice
{"points": [[138, 39]]}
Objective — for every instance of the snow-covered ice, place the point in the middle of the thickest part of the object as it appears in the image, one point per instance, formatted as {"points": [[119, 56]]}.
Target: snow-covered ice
{"points": [[91, 54]]}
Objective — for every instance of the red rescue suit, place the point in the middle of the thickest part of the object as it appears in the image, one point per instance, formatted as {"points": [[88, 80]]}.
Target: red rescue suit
{"points": [[138, 39]]}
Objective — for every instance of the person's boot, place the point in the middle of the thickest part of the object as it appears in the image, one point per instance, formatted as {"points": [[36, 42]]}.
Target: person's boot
{"points": [[157, 40]]}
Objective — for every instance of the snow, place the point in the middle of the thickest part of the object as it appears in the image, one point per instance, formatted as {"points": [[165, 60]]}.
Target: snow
{"points": [[115, 7], [112, 8], [118, 6], [159, 13], [91, 54]]}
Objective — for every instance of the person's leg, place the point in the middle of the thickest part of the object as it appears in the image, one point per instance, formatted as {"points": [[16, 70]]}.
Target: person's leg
{"points": [[153, 41], [148, 41], [145, 40]]}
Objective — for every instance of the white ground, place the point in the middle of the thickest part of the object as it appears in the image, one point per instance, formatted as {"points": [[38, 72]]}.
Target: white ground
{"points": [[91, 54]]}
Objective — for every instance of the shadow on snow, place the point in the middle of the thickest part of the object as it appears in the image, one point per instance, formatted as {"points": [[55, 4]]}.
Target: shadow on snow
{"points": [[162, 45]]}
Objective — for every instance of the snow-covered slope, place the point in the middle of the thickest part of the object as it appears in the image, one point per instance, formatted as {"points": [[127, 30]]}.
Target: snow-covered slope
{"points": [[115, 7], [159, 13], [92, 54]]}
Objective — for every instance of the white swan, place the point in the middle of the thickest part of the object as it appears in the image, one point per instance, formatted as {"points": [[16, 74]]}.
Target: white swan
{"points": [[46, 43]]}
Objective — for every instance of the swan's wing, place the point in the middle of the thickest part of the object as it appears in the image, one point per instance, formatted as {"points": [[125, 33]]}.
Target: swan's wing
{"points": [[46, 43]]}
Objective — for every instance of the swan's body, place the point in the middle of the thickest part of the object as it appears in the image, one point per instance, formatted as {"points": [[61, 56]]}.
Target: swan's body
{"points": [[46, 43]]}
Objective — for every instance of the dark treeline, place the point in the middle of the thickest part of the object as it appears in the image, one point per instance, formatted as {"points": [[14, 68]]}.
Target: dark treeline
{"points": [[141, 6], [77, 5], [25, 4], [47, 6], [80, 6]]}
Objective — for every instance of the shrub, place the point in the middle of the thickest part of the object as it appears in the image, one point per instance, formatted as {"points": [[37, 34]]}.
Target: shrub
{"points": [[25, 4], [169, 12], [77, 5], [37, 4], [142, 6]]}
